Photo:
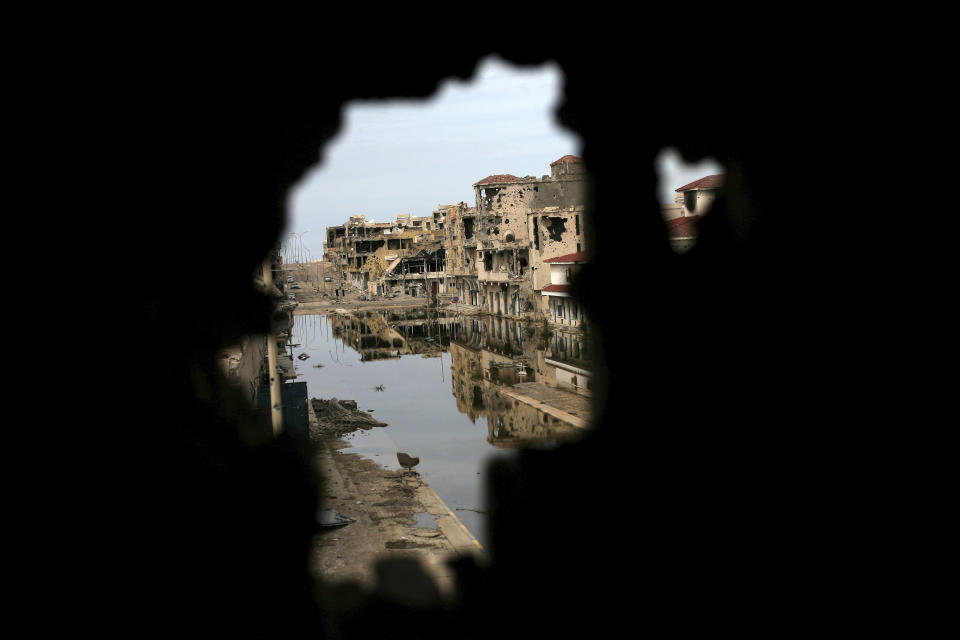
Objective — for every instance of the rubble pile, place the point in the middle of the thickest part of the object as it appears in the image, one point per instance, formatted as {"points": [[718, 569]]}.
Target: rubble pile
{"points": [[338, 417]]}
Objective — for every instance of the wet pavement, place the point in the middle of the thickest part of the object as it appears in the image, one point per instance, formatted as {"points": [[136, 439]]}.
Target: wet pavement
{"points": [[571, 408]]}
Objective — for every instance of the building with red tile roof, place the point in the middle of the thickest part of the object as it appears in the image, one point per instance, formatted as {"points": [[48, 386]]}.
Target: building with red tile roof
{"points": [[579, 257], [682, 228], [567, 166], [568, 159], [499, 178], [706, 182], [699, 195]]}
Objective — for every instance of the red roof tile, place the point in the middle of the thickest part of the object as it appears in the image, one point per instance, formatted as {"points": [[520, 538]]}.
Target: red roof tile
{"points": [[685, 227], [500, 177], [568, 159], [707, 182], [579, 256], [559, 288]]}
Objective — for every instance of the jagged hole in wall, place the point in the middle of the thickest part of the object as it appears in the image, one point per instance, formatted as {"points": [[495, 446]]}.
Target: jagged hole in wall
{"points": [[685, 192], [462, 195]]}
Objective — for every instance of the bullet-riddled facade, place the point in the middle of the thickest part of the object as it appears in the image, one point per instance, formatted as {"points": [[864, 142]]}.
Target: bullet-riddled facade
{"points": [[519, 222], [491, 255]]}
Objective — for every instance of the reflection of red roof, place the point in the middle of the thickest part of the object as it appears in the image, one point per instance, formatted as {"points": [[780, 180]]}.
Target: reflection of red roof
{"points": [[580, 256], [500, 177], [559, 288], [567, 159], [707, 182], [683, 227]]}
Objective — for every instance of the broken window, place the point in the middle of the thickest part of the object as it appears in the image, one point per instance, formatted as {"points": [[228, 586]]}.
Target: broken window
{"points": [[467, 228], [690, 201], [536, 234], [555, 227], [487, 194]]}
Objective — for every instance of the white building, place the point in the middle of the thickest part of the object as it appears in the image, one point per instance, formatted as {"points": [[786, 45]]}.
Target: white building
{"points": [[560, 306]]}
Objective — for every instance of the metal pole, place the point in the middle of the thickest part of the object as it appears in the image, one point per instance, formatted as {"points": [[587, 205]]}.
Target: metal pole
{"points": [[276, 407]]}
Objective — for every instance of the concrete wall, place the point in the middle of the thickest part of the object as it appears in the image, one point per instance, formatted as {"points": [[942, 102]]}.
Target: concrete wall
{"points": [[701, 201], [505, 230], [243, 364], [554, 232], [671, 211]]}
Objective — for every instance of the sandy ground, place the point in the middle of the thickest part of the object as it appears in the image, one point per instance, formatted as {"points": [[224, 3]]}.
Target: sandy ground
{"points": [[395, 515]]}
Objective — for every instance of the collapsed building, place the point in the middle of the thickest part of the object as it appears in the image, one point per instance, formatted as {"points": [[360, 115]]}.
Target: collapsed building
{"points": [[363, 252], [418, 274]]}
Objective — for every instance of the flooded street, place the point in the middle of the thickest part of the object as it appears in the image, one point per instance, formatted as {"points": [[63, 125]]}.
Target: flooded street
{"points": [[435, 383]]}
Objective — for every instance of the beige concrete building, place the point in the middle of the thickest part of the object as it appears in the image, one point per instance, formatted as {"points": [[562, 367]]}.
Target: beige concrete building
{"points": [[364, 252], [518, 223], [692, 201], [460, 243], [561, 308], [695, 198]]}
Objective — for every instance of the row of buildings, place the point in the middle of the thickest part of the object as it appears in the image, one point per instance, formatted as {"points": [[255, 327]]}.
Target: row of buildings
{"points": [[513, 253]]}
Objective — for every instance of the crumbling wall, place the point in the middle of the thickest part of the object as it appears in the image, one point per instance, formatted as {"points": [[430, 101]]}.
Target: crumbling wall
{"points": [[554, 232]]}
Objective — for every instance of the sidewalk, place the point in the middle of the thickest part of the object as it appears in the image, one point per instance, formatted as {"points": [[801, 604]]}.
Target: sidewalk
{"points": [[567, 406]]}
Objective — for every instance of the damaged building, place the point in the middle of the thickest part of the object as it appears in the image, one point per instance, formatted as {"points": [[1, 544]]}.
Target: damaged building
{"points": [[460, 240], [519, 222], [422, 273], [364, 251], [561, 308]]}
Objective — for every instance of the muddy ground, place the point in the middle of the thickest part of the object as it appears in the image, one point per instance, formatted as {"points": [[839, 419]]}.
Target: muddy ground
{"points": [[395, 515]]}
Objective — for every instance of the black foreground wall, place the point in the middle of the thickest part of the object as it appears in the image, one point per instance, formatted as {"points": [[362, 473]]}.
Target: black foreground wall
{"points": [[720, 472]]}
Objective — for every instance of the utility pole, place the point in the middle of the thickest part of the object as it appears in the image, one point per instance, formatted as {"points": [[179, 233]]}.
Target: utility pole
{"points": [[276, 405]]}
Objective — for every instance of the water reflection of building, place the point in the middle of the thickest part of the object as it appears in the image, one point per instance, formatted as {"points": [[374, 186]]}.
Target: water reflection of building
{"points": [[382, 334], [489, 354], [369, 335], [565, 363]]}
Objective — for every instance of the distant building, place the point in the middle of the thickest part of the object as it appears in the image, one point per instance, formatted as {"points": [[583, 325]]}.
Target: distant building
{"points": [[699, 195], [693, 200]]}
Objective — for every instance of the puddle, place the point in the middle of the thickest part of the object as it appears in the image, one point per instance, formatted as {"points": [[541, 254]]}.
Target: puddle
{"points": [[424, 521]]}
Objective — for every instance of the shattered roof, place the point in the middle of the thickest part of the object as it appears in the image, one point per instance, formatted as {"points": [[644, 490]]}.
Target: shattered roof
{"points": [[579, 256], [707, 182], [500, 177], [683, 227], [568, 159]]}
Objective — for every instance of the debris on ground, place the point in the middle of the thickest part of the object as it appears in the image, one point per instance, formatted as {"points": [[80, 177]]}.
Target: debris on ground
{"points": [[339, 417], [302, 356]]}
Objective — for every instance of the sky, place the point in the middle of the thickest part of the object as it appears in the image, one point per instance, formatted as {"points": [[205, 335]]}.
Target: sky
{"points": [[409, 156]]}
